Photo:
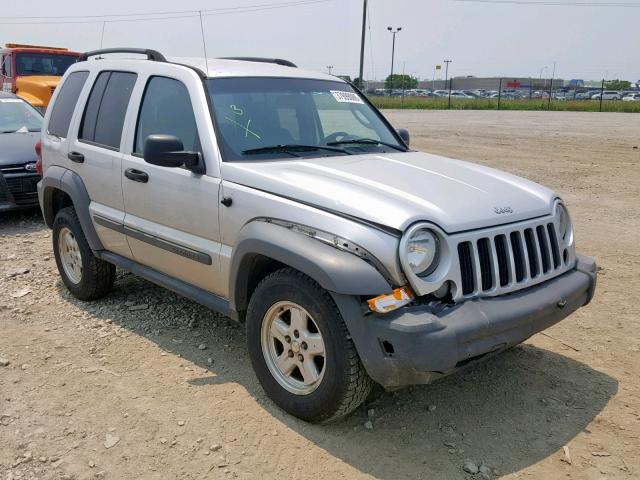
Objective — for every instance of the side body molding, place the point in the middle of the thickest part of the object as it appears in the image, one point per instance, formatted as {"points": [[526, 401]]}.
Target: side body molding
{"points": [[335, 270], [58, 178]]}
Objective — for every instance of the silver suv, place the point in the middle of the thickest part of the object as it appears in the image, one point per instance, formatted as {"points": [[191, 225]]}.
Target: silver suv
{"points": [[283, 199]]}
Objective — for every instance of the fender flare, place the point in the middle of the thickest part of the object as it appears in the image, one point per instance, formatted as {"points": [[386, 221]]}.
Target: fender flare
{"points": [[69, 182], [335, 270]]}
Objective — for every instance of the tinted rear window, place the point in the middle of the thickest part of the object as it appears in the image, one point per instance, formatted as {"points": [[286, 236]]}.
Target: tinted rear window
{"points": [[106, 108], [65, 104]]}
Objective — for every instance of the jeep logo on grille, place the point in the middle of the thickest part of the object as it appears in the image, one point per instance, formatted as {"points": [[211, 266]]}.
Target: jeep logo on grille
{"points": [[502, 210], [30, 167]]}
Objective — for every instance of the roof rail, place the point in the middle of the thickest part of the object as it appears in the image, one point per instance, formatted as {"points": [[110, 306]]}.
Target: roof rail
{"points": [[151, 54], [277, 61]]}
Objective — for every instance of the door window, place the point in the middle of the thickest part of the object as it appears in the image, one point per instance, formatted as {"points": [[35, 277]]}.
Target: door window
{"points": [[166, 110], [65, 104], [106, 108]]}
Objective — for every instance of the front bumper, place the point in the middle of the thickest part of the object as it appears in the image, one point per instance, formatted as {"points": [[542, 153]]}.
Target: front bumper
{"points": [[415, 346], [18, 191]]}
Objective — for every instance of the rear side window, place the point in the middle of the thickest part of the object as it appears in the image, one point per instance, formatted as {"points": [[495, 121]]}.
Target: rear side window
{"points": [[106, 108], [65, 103], [166, 109]]}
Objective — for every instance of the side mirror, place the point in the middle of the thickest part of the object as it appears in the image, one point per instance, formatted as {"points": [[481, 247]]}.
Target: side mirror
{"points": [[404, 135], [168, 151]]}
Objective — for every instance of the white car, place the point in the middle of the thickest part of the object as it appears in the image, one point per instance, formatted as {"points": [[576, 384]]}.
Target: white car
{"points": [[283, 199], [634, 97], [607, 95]]}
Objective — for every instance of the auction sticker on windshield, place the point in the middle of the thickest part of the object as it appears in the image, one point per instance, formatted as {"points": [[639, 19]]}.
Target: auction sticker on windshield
{"points": [[346, 97]]}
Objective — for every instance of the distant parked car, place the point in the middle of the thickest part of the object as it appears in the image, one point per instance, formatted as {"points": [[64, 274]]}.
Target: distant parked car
{"points": [[462, 95], [583, 95], [634, 97], [20, 125], [607, 95]]}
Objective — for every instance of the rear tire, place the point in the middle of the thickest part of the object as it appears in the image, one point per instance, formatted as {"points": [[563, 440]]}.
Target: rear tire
{"points": [[305, 321], [85, 276]]}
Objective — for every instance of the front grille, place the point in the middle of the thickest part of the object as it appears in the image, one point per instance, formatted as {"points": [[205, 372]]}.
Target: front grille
{"points": [[21, 190], [509, 260], [11, 169]]}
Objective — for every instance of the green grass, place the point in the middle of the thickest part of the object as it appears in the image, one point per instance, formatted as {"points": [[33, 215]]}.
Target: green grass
{"points": [[492, 104]]}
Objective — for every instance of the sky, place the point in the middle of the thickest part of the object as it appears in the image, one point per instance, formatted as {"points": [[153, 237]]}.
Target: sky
{"points": [[481, 39]]}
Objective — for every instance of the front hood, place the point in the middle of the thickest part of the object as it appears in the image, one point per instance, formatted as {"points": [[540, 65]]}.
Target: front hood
{"points": [[18, 148], [37, 89], [399, 189]]}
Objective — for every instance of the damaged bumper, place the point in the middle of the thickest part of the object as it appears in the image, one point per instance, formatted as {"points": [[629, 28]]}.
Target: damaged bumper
{"points": [[415, 346]]}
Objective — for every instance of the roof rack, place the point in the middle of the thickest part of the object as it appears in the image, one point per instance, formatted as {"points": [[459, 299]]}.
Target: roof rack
{"points": [[151, 54], [277, 61]]}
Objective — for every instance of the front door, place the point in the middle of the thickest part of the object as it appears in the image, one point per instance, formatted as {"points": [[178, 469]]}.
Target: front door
{"points": [[171, 219]]}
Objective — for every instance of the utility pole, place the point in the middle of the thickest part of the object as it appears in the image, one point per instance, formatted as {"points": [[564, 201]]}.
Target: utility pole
{"points": [[551, 86], [404, 64], [364, 28], [393, 53], [102, 35], [446, 79], [329, 68]]}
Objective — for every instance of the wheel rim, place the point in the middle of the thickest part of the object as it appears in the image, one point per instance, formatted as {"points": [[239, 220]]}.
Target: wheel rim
{"points": [[293, 348], [70, 255]]}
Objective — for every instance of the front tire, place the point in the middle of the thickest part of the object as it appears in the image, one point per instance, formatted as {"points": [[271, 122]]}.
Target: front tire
{"points": [[85, 276], [301, 350]]}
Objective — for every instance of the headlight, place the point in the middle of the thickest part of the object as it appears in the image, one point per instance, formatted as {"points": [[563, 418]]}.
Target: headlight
{"points": [[422, 252], [564, 223]]}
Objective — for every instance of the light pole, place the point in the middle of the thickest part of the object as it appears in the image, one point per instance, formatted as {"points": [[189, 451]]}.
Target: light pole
{"points": [[446, 79], [393, 53], [329, 68], [364, 31]]}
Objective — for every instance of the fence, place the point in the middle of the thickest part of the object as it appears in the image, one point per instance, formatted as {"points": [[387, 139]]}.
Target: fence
{"points": [[510, 95]]}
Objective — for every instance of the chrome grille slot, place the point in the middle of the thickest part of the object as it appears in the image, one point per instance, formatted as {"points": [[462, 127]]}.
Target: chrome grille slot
{"points": [[531, 253], [518, 256], [544, 248], [555, 250], [503, 259], [466, 268], [509, 258], [484, 257]]}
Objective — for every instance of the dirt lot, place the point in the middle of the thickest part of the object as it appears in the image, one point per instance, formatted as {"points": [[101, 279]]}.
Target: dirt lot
{"points": [[145, 384]]}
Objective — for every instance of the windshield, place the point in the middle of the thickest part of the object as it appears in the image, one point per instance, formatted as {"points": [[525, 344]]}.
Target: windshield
{"points": [[18, 116], [284, 117], [43, 63]]}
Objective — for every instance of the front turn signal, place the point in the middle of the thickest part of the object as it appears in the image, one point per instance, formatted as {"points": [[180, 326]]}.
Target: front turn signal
{"points": [[391, 301]]}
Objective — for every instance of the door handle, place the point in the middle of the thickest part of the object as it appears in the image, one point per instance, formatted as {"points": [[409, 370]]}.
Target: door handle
{"points": [[76, 157], [136, 175]]}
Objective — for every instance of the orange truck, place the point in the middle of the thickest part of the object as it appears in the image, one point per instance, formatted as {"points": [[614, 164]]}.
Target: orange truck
{"points": [[33, 72]]}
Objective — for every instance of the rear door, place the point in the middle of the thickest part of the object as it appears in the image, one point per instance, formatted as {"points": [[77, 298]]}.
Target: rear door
{"points": [[171, 218], [95, 153]]}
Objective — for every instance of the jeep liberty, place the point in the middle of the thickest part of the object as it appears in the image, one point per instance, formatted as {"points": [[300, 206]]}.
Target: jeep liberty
{"points": [[282, 198]]}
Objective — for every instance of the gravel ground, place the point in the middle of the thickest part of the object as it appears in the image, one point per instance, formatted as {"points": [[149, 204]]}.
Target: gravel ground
{"points": [[145, 384]]}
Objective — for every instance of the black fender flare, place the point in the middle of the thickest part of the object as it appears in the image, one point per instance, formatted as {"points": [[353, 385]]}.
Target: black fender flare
{"points": [[69, 182], [335, 270]]}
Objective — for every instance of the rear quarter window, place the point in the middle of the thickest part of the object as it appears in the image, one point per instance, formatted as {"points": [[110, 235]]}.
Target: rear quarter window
{"points": [[65, 103]]}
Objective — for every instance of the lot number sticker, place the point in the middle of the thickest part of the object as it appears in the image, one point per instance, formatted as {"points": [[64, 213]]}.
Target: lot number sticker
{"points": [[346, 97]]}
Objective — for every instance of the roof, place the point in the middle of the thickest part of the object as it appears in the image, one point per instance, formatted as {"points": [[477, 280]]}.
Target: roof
{"points": [[8, 95], [218, 67], [9, 47]]}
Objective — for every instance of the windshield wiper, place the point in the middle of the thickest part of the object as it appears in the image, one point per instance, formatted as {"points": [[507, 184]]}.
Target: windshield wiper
{"points": [[292, 148], [368, 141]]}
